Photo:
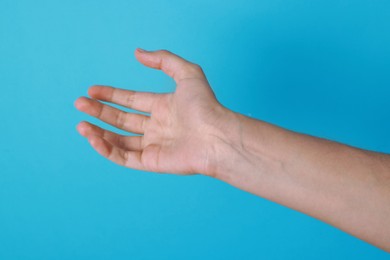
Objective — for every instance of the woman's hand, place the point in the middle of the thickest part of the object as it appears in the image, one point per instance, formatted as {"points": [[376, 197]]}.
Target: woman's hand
{"points": [[179, 131]]}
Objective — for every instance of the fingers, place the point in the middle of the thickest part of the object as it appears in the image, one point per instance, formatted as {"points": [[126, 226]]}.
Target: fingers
{"points": [[132, 143], [141, 101], [131, 159], [171, 64], [127, 121]]}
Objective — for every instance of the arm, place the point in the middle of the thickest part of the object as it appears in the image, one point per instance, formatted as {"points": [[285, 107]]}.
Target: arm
{"points": [[188, 132], [346, 187]]}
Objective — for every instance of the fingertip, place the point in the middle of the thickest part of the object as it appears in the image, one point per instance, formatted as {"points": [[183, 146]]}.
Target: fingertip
{"points": [[137, 52], [93, 90], [78, 103], [82, 128], [82, 103], [144, 57]]}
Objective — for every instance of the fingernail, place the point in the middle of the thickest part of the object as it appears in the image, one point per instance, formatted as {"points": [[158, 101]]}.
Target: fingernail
{"points": [[141, 50]]}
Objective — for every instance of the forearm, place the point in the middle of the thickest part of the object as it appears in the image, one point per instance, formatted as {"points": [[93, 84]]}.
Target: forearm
{"points": [[344, 186]]}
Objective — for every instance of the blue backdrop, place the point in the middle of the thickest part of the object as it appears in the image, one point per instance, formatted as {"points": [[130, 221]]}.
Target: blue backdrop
{"points": [[318, 67]]}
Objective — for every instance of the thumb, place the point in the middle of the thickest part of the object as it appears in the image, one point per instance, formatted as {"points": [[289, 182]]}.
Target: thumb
{"points": [[171, 64]]}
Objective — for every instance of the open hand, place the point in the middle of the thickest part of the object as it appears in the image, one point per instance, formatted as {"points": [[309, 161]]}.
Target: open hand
{"points": [[179, 130]]}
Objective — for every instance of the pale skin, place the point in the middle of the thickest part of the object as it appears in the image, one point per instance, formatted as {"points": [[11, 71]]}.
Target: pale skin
{"points": [[190, 132]]}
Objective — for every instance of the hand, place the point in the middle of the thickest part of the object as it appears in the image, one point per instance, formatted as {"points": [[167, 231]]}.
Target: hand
{"points": [[176, 136]]}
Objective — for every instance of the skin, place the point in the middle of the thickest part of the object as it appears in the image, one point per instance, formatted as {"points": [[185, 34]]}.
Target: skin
{"points": [[190, 132]]}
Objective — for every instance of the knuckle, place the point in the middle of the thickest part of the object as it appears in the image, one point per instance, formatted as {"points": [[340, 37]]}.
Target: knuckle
{"points": [[130, 99], [194, 69], [143, 124], [197, 67], [164, 52], [119, 140], [120, 119], [126, 157], [99, 110]]}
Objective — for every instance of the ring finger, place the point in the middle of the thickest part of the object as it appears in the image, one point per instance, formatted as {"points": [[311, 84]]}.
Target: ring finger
{"points": [[130, 143]]}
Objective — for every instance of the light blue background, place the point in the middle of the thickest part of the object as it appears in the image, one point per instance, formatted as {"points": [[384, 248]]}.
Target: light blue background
{"points": [[318, 67]]}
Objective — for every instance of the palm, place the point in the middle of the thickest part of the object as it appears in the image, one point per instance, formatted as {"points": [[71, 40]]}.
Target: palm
{"points": [[173, 138]]}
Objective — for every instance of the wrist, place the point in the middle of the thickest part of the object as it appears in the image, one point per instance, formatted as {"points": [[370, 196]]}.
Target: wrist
{"points": [[245, 153], [225, 144]]}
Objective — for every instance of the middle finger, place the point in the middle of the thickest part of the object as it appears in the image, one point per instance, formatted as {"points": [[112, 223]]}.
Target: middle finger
{"points": [[130, 122]]}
